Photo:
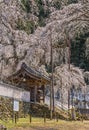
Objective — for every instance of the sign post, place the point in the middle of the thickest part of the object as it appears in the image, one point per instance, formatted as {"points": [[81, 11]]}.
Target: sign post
{"points": [[16, 109], [16, 106]]}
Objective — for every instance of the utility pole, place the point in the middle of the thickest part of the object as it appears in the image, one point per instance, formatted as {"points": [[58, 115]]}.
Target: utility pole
{"points": [[52, 75], [69, 57], [51, 115], [72, 94], [69, 45], [67, 39], [2, 61], [52, 107]]}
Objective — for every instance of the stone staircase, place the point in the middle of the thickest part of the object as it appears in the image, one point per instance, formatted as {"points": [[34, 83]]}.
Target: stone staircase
{"points": [[60, 108]]}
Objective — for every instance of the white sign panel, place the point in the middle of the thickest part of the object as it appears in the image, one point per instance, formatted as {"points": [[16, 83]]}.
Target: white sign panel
{"points": [[16, 105], [26, 96], [14, 92]]}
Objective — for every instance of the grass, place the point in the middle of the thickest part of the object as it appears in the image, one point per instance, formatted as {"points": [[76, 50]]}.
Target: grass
{"points": [[38, 124]]}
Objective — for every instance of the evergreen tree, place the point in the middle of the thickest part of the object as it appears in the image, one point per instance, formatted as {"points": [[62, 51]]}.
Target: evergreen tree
{"points": [[78, 47]]}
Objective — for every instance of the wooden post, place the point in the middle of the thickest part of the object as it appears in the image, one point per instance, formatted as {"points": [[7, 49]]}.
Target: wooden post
{"points": [[15, 118], [56, 117], [72, 114], [35, 94], [24, 108], [30, 118], [12, 111], [43, 94], [68, 103], [44, 117], [68, 99], [51, 115]]}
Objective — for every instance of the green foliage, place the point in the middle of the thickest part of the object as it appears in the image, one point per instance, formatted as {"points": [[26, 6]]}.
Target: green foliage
{"points": [[48, 68], [39, 2], [72, 1], [26, 5], [27, 26], [42, 12], [42, 22], [57, 4], [78, 56]]}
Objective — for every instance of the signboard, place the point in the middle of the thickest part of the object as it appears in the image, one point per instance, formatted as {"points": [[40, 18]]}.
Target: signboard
{"points": [[16, 105], [10, 91]]}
